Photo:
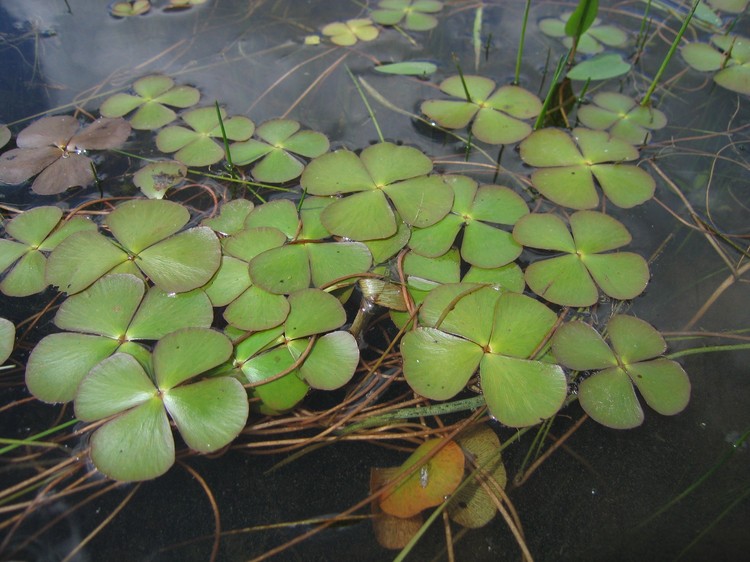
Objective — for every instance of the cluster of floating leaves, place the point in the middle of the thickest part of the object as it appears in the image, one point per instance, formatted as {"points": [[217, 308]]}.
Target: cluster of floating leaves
{"points": [[411, 15], [279, 272], [130, 8]]}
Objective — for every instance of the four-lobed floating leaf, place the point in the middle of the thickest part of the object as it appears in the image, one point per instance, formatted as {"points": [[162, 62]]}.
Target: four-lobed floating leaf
{"points": [[147, 240], [36, 232], [570, 164], [622, 117], [54, 147], [108, 317], [137, 443], [200, 145], [151, 102], [499, 115], [472, 326], [475, 210], [572, 279], [414, 15], [276, 155], [634, 359], [349, 32], [382, 175]]}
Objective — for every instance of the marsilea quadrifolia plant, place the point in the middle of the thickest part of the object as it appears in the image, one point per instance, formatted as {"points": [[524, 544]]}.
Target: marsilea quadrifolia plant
{"points": [[172, 325]]}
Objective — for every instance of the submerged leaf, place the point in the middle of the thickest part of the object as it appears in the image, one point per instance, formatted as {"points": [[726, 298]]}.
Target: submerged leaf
{"points": [[429, 485]]}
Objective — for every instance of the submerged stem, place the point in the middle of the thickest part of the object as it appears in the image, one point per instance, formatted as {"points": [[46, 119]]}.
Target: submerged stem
{"points": [[647, 98]]}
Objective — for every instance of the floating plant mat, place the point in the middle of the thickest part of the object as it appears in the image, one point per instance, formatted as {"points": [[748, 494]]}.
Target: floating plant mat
{"points": [[218, 216]]}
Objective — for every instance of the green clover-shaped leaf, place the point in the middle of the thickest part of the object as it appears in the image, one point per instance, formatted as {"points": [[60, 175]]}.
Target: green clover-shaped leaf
{"points": [[36, 232], [348, 33], [383, 174], [104, 319], [137, 444], [198, 145], [572, 279], [152, 96], [499, 116], [622, 116], [569, 165], [414, 15], [634, 360], [470, 326], [475, 209], [276, 154], [148, 241]]}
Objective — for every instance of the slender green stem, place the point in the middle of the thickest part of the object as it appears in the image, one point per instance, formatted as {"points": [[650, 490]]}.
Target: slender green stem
{"points": [[690, 489], [640, 41], [519, 55], [738, 500], [708, 349], [463, 80], [230, 165], [406, 413], [439, 510], [647, 98], [550, 92], [367, 105], [33, 438], [97, 181]]}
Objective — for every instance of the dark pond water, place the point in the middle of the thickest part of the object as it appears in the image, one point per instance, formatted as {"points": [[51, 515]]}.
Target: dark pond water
{"points": [[587, 500]]}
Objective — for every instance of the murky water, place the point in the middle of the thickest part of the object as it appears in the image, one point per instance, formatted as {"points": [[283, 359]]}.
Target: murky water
{"points": [[584, 503]]}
